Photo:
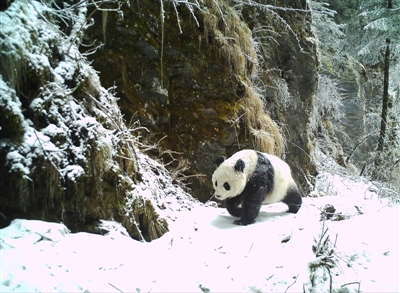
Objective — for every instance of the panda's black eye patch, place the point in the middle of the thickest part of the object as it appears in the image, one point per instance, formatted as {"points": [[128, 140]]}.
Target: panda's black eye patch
{"points": [[216, 183], [227, 186]]}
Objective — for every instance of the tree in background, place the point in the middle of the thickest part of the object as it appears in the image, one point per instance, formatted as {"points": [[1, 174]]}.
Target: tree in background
{"points": [[327, 30], [373, 38]]}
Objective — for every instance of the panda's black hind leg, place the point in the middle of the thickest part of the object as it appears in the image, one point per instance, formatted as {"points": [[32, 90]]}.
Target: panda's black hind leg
{"points": [[294, 200]]}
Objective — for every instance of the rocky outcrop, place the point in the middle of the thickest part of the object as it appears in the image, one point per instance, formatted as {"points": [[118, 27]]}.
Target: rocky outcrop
{"points": [[351, 78], [186, 74]]}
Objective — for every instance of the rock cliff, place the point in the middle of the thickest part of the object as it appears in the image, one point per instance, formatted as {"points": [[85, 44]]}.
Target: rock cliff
{"points": [[206, 80]]}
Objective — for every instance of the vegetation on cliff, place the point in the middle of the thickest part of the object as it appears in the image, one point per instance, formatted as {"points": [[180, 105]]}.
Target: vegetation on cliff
{"points": [[66, 152]]}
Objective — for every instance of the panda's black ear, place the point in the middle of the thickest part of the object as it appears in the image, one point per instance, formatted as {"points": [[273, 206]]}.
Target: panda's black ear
{"points": [[239, 166], [219, 160]]}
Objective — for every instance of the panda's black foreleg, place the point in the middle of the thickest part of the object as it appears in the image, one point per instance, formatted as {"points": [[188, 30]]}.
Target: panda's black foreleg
{"points": [[294, 200], [251, 207], [232, 205]]}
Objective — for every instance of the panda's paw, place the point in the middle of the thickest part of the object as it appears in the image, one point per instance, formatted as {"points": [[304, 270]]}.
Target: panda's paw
{"points": [[240, 222], [237, 222]]}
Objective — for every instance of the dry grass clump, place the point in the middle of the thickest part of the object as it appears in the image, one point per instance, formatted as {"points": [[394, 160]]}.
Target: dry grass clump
{"points": [[236, 47], [144, 222], [232, 36], [265, 132]]}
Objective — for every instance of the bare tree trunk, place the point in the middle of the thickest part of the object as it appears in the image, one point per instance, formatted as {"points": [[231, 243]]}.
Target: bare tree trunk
{"points": [[385, 104], [385, 101]]}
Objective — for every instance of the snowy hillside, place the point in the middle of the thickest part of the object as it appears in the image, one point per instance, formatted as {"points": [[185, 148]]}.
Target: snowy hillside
{"points": [[205, 252]]}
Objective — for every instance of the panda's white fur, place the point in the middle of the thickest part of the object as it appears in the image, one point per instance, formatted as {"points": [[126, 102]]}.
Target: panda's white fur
{"points": [[283, 183]]}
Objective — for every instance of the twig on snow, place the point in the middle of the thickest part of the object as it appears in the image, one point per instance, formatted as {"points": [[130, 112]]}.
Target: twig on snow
{"points": [[294, 282], [352, 283], [115, 288]]}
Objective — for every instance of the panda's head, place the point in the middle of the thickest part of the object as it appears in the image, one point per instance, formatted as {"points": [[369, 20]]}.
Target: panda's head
{"points": [[230, 177]]}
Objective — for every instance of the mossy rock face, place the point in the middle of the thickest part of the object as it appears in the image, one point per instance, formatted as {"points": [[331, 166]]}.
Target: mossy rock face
{"points": [[11, 125], [189, 100], [11, 118], [185, 90]]}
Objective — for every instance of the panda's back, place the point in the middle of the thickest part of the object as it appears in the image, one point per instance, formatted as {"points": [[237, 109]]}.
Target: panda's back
{"points": [[282, 180]]}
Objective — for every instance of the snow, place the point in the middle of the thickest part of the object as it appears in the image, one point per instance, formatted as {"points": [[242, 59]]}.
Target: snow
{"points": [[205, 252], [73, 172], [16, 166], [65, 70]]}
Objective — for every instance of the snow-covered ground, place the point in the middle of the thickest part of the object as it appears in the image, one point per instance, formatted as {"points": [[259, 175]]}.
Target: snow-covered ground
{"points": [[205, 252]]}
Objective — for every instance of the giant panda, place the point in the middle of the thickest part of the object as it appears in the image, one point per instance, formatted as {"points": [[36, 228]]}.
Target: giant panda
{"points": [[249, 179]]}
